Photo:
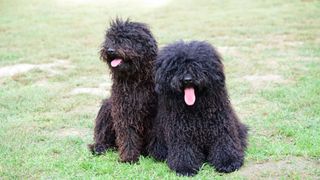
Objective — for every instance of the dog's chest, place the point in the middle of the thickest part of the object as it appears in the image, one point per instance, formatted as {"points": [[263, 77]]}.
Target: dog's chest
{"points": [[137, 99], [195, 127]]}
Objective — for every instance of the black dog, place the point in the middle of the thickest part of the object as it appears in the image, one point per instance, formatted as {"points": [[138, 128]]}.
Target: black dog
{"points": [[124, 120], [195, 122]]}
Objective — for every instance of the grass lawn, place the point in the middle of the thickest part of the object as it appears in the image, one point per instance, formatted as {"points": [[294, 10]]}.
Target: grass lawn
{"points": [[52, 82]]}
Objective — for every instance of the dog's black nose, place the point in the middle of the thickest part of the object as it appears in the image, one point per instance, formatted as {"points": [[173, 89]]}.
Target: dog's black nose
{"points": [[187, 79], [110, 51]]}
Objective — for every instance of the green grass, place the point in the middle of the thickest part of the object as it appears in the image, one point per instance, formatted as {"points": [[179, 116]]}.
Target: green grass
{"points": [[44, 128]]}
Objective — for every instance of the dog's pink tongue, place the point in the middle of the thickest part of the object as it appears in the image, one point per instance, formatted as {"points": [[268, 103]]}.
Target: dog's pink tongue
{"points": [[116, 62], [189, 96]]}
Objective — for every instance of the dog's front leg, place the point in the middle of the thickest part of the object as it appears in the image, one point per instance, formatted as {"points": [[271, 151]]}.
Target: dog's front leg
{"points": [[129, 143], [104, 135], [225, 155], [157, 147], [184, 158]]}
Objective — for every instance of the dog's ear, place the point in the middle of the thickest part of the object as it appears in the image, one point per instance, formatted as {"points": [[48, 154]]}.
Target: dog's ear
{"points": [[220, 78], [102, 53]]}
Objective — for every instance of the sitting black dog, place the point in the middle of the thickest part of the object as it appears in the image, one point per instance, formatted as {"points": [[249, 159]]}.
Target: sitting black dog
{"points": [[124, 120], [195, 122]]}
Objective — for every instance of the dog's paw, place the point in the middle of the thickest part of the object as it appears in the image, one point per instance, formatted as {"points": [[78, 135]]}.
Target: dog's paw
{"points": [[129, 157], [227, 168], [190, 174], [184, 171], [129, 154], [97, 149], [130, 160]]}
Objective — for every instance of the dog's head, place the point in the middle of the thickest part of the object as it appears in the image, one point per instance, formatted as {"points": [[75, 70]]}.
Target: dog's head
{"points": [[129, 47], [188, 70]]}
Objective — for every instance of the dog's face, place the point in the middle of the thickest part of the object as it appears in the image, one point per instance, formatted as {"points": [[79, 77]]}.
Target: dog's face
{"points": [[128, 47], [188, 70]]}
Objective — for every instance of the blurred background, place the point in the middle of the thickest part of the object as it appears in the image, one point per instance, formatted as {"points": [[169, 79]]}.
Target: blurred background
{"points": [[52, 82]]}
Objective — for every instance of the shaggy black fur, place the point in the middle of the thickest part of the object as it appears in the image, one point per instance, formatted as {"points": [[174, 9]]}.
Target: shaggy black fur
{"points": [[124, 121], [207, 131]]}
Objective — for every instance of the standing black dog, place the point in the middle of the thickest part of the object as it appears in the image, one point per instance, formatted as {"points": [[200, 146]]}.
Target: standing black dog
{"points": [[124, 120], [196, 122]]}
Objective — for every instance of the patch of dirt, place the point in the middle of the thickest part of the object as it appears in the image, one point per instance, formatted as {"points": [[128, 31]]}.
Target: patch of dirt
{"points": [[104, 86], [87, 108], [93, 91], [272, 63], [258, 81], [102, 90], [50, 68], [77, 2], [143, 3], [282, 42], [155, 3], [42, 82], [15, 69], [285, 167], [72, 132], [270, 77], [228, 50]]}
